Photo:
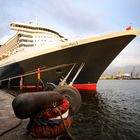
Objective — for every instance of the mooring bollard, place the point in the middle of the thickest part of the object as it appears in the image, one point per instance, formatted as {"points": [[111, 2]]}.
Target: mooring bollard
{"points": [[49, 111]]}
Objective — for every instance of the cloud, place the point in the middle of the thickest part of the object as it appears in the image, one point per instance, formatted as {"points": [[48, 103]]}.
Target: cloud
{"points": [[65, 15], [126, 61], [78, 20]]}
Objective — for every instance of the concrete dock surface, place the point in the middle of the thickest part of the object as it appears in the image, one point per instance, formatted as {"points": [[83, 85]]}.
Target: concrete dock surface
{"points": [[10, 126]]}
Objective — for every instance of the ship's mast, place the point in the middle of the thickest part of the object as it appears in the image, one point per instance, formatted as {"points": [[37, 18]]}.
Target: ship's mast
{"points": [[36, 21]]}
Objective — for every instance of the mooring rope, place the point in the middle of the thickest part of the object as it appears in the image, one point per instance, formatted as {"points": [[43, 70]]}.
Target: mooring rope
{"points": [[67, 131]]}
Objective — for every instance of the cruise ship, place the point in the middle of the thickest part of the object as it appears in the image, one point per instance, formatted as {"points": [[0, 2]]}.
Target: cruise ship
{"points": [[36, 56]]}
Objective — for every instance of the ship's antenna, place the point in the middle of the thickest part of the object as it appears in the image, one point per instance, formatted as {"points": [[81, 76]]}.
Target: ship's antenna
{"points": [[36, 21]]}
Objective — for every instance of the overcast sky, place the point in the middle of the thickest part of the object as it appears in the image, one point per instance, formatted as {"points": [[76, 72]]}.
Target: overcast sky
{"points": [[77, 18]]}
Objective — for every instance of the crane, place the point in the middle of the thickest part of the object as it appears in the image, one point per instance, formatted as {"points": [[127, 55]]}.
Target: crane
{"points": [[132, 72]]}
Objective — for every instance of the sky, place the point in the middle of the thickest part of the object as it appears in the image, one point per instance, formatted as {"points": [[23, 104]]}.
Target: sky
{"points": [[77, 18]]}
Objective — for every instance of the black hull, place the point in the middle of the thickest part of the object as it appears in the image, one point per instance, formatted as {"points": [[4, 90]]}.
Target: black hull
{"points": [[96, 55]]}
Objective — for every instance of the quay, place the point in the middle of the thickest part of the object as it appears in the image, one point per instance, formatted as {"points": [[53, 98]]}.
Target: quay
{"points": [[10, 126]]}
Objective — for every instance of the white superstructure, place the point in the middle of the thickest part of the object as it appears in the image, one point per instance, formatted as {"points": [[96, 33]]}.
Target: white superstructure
{"points": [[29, 35]]}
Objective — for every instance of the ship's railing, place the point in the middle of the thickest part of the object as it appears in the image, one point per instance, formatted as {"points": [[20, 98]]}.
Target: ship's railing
{"points": [[21, 76]]}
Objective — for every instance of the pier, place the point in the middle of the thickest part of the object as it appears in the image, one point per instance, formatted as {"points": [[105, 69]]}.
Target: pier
{"points": [[10, 126]]}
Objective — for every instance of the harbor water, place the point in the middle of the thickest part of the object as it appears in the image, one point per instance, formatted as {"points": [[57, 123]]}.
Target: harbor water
{"points": [[113, 114]]}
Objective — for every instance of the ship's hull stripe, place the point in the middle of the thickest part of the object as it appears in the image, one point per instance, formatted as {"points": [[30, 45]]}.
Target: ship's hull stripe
{"points": [[83, 87], [86, 87]]}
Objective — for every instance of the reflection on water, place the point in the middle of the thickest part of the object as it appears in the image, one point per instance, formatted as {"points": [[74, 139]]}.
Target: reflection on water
{"points": [[112, 114]]}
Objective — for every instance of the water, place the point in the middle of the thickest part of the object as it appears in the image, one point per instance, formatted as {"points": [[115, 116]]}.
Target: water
{"points": [[113, 114]]}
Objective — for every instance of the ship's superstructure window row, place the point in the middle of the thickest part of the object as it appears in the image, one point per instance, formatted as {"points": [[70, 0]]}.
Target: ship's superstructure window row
{"points": [[25, 35], [24, 40], [26, 45]]}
